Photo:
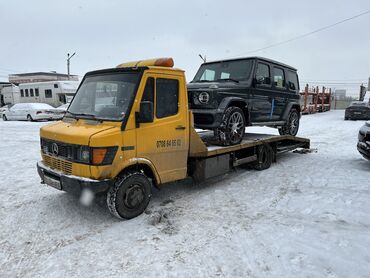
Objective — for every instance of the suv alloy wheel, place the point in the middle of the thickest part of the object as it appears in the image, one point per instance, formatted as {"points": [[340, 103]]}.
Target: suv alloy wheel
{"points": [[292, 124], [232, 128]]}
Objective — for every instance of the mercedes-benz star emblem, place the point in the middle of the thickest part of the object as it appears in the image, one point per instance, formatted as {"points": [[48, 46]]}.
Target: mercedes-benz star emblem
{"points": [[54, 149]]}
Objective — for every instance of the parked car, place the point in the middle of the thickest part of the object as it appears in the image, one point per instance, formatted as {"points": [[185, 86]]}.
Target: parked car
{"points": [[357, 110], [228, 95], [63, 108], [363, 145], [32, 112], [3, 109]]}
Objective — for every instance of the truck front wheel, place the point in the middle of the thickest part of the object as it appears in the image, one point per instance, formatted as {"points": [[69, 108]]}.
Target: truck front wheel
{"points": [[129, 196]]}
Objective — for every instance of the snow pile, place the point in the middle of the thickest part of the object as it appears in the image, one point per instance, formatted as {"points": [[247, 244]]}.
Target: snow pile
{"points": [[306, 216]]}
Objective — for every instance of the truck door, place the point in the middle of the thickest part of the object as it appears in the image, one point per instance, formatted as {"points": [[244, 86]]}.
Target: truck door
{"points": [[165, 141]]}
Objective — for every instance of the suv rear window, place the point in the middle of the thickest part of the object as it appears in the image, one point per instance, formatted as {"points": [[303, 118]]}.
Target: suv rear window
{"points": [[292, 80]]}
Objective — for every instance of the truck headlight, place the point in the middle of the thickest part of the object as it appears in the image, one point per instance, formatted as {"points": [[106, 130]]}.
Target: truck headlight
{"points": [[103, 156], [84, 154], [203, 97], [97, 156]]}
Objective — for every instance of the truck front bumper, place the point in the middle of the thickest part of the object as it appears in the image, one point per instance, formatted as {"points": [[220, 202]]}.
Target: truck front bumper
{"points": [[71, 184]]}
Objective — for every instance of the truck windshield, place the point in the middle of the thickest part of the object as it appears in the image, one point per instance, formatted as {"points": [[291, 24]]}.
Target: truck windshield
{"points": [[236, 70], [105, 96]]}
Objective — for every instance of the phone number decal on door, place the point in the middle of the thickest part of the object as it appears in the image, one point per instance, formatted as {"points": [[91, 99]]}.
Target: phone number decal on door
{"points": [[168, 143]]}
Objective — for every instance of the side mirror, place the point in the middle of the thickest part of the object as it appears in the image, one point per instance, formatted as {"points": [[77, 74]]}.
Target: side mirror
{"points": [[146, 114], [260, 79]]}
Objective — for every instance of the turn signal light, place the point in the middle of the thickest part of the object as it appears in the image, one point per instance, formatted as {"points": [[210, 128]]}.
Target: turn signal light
{"points": [[98, 155], [159, 62]]}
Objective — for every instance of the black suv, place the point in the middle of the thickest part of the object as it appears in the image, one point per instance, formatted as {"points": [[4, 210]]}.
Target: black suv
{"points": [[228, 95], [363, 145]]}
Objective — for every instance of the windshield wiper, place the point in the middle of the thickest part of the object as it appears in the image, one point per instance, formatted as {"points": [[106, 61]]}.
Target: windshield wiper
{"points": [[69, 114], [83, 115], [195, 81], [228, 79]]}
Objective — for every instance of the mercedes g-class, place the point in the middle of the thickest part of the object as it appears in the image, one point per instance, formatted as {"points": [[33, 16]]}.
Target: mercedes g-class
{"points": [[228, 95]]}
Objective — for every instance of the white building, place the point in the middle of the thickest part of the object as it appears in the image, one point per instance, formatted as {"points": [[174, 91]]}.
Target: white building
{"points": [[40, 77], [10, 94], [54, 93]]}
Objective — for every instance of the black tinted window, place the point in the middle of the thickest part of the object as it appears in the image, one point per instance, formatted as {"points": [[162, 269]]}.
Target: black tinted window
{"points": [[22, 93], [26, 91], [48, 93], [279, 78], [292, 81], [167, 97], [31, 92], [263, 74], [148, 94], [37, 92]]}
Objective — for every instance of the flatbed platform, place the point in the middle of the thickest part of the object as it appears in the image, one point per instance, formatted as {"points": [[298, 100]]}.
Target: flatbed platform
{"points": [[282, 143]]}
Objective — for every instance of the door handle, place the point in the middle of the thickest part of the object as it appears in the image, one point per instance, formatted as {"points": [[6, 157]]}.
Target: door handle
{"points": [[180, 127]]}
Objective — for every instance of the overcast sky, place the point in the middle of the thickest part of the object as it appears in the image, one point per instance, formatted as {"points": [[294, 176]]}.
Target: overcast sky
{"points": [[37, 35]]}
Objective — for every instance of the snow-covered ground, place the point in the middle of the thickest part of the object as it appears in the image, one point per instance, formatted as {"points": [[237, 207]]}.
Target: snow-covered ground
{"points": [[306, 216]]}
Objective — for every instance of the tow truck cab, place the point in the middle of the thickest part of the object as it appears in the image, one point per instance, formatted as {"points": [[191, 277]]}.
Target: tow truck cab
{"points": [[134, 114]]}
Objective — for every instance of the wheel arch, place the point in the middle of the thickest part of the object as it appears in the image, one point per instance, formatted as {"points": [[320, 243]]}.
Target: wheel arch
{"points": [[290, 106], [145, 166], [238, 102]]}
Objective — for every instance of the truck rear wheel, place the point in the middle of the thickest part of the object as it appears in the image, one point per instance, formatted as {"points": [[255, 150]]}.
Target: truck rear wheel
{"points": [[129, 196], [265, 155], [292, 124], [232, 128]]}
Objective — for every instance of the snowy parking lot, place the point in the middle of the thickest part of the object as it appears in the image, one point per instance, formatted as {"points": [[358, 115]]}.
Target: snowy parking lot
{"points": [[306, 216]]}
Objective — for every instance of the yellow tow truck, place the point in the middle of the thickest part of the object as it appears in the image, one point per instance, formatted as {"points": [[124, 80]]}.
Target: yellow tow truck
{"points": [[129, 128]]}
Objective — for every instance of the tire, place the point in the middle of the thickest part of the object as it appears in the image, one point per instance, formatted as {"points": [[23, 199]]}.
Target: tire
{"points": [[129, 196], [265, 156], [346, 118], [292, 125], [29, 118], [5, 118], [232, 128]]}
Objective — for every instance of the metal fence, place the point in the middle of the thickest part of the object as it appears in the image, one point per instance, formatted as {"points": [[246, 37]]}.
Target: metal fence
{"points": [[340, 103]]}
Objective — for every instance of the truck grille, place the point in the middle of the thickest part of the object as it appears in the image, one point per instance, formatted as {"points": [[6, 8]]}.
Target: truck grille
{"points": [[64, 150], [58, 164]]}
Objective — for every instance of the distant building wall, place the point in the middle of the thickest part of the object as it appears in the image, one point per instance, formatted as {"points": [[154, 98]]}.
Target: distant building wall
{"points": [[342, 103], [10, 94], [340, 94], [40, 77]]}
